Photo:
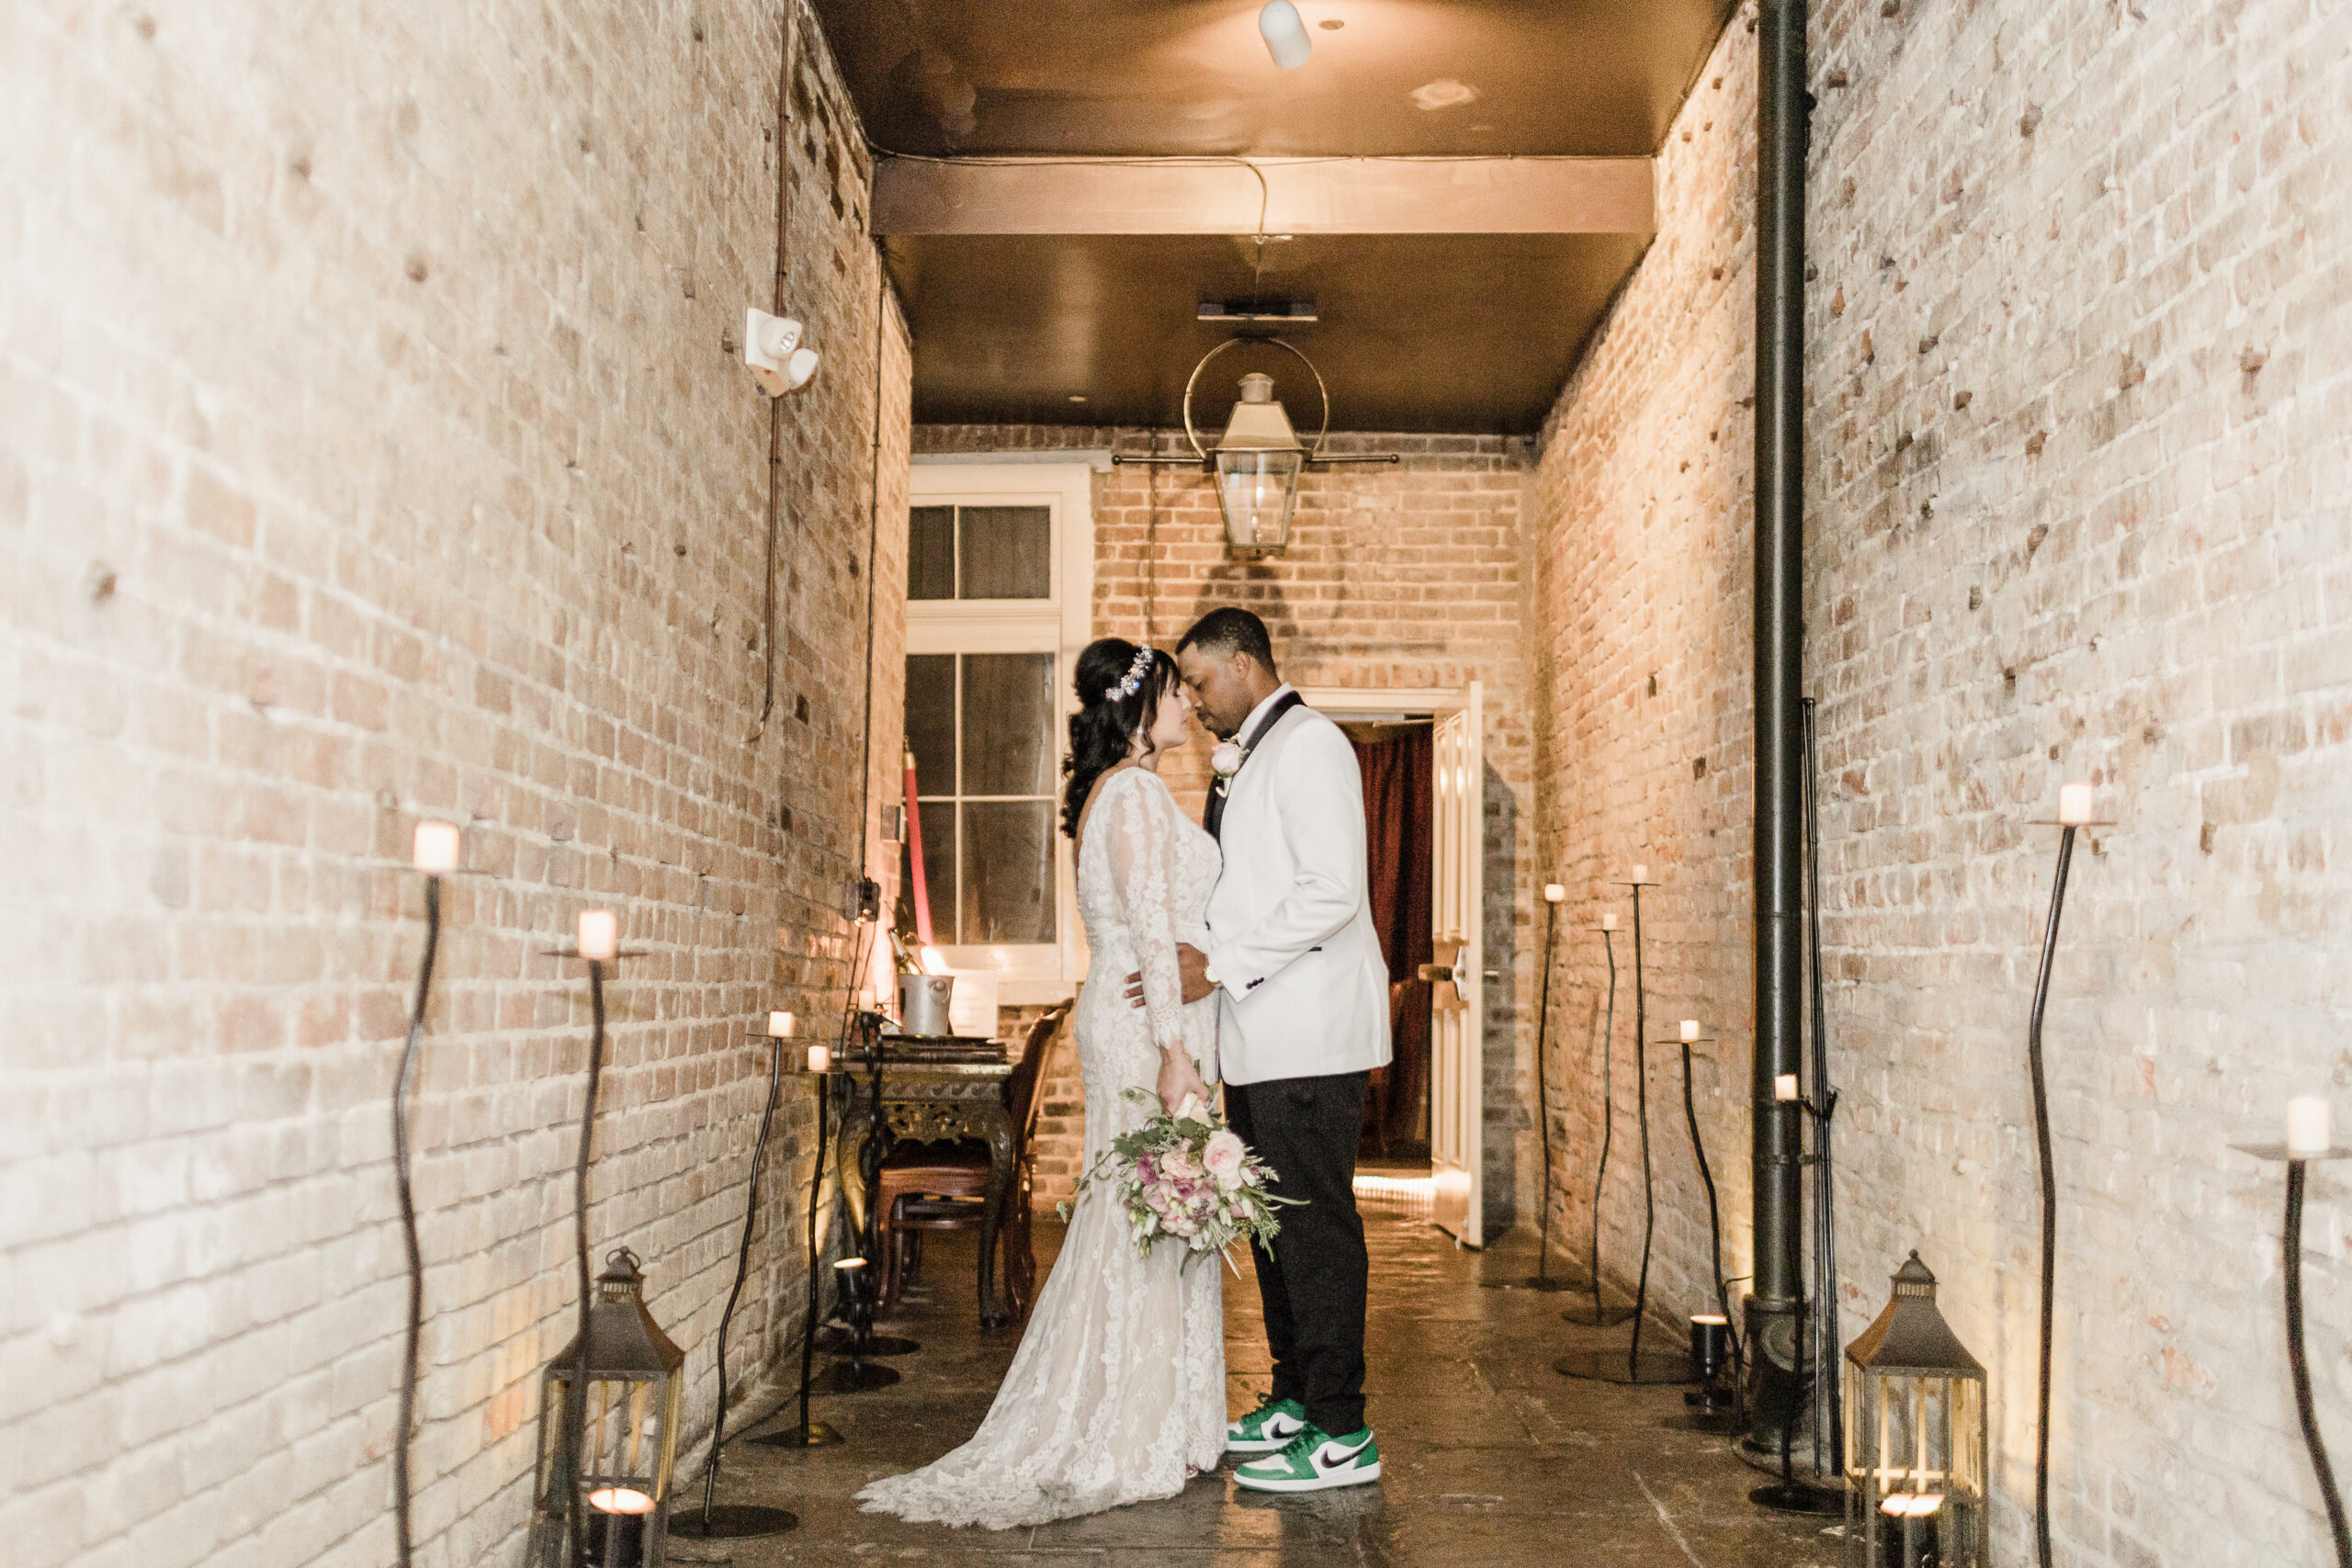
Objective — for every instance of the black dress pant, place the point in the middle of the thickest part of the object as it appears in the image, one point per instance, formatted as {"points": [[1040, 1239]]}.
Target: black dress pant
{"points": [[1312, 1280]]}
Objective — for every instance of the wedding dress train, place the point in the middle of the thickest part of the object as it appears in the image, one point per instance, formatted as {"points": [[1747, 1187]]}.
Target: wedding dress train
{"points": [[1117, 1392]]}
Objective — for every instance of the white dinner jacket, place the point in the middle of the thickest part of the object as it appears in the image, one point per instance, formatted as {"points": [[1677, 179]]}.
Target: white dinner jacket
{"points": [[1305, 990]]}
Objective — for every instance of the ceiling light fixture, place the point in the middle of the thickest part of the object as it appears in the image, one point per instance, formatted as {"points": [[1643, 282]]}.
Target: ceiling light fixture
{"points": [[1258, 458], [1285, 34]]}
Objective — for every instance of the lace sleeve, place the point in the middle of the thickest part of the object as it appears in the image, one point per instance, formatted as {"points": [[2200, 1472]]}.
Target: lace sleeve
{"points": [[1140, 851]]}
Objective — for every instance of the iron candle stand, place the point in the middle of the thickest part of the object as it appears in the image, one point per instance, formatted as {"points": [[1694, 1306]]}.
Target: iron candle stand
{"points": [[1598, 1315], [575, 1414], [736, 1521], [1605, 1365], [2074, 813], [808, 1434], [1541, 1279], [2298, 1363], [436, 854]]}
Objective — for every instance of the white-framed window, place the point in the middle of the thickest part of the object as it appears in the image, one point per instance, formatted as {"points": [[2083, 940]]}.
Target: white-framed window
{"points": [[1000, 594]]}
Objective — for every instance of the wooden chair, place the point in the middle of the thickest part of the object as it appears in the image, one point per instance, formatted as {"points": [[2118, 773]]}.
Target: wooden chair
{"points": [[927, 1191]]}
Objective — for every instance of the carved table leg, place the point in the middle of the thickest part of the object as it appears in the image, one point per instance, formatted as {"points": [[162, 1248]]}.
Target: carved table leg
{"points": [[1000, 1172]]}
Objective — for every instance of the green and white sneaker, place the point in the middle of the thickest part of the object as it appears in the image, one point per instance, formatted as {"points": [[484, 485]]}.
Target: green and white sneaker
{"points": [[1267, 1430], [1314, 1462]]}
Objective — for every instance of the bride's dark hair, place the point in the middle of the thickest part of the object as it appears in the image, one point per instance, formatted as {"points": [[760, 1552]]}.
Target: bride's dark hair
{"points": [[1104, 726]]}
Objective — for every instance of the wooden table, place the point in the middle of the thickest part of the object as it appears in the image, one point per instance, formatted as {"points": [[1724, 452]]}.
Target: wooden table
{"points": [[928, 1101]]}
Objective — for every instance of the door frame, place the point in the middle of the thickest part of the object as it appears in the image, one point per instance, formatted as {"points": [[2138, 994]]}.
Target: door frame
{"points": [[1461, 1201]]}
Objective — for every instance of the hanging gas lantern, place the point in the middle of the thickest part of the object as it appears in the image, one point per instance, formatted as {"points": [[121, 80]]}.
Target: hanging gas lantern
{"points": [[1257, 461], [606, 1461], [1915, 1438]]}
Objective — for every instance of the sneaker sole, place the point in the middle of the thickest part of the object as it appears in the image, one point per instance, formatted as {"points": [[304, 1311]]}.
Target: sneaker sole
{"points": [[1350, 1477], [1256, 1448]]}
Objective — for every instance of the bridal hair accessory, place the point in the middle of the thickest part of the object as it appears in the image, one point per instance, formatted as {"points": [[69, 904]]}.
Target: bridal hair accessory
{"points": [[1133, 678], [1225, 760]]}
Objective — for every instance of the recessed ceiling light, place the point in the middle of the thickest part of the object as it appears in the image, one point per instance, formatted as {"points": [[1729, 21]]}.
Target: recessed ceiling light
{"points": [[1445, 93], [1078, 396], [1331, 24]]}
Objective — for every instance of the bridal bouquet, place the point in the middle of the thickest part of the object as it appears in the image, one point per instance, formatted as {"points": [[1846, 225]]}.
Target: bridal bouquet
{"points": [[1188, 1176]]}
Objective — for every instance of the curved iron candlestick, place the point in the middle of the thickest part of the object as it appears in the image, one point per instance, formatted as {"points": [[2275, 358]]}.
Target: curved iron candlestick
{"points": [[575, 1402], [1541, 1279], [1642, 1110], [2048, 1198], [1715, 1216], [812, 1434], [1600, 1318], [2292, 1242], [736, 1521], [402, 1082]]}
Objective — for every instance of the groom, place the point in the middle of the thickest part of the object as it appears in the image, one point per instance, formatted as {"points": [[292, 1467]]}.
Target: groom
{"points": [[1302, 1018]]}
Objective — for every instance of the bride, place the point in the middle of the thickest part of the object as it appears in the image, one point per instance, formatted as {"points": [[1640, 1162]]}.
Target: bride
{"points": [[1117, 1392]]}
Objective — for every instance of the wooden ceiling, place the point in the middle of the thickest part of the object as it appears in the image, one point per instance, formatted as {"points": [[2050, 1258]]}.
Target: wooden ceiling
{"points": [[1433, 331]]}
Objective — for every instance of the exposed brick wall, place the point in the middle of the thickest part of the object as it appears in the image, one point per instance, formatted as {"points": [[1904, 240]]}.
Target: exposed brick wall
{"points": [[372, 452], [2078, 380], [1405, 577]]}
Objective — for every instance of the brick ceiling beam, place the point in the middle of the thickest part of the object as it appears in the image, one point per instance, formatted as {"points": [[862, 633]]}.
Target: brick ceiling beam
{"points": [[1302, 196]]}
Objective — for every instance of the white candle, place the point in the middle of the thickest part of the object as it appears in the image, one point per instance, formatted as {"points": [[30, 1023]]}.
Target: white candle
{"points": [[1689, 1029], [780, 1026], [1609, 920], [821, 1059], [2309, 1128], [600, 935], [1554, 893], [436, 848], [2074, 804], [1641, 873], [1784, 1086]]}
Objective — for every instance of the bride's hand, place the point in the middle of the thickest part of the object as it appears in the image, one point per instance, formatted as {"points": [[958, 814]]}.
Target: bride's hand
{"points": [[1177, 1078]]}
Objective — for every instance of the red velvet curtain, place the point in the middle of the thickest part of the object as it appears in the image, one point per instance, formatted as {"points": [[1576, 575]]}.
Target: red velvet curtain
{"points": [[1398, 805]]}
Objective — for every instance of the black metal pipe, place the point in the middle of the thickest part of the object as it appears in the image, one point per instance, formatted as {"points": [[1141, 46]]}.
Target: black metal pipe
{"points": [[742, 1271], [1774, 1310], [1542, 1097], [1642, 1114], [1829, 1368], [1608, 1117]]}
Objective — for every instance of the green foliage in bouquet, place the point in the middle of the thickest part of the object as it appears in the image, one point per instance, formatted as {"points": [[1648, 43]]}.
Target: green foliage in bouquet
{"points": [[1185, 1176]]}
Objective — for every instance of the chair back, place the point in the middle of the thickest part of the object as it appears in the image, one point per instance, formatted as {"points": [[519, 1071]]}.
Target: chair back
{"points": [[1021, 1095]]}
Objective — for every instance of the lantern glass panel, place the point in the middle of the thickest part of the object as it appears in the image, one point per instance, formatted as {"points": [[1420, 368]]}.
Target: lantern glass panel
{"points": [[1915, 1438], [618, 1477], [1256, 491]]}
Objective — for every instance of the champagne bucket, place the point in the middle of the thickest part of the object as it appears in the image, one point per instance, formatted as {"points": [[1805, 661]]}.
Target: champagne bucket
{"points": [[923, 1003]]}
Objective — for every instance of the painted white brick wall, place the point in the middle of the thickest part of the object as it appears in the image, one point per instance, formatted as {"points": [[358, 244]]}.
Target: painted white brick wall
{"points": [[372, 451], [2077, 474]]}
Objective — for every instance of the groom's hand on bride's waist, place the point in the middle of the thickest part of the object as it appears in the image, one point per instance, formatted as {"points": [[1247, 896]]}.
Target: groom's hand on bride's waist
{"points": [[1192, 963]]}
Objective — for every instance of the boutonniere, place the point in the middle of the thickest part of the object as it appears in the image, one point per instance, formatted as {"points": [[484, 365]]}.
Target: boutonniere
{"points": [[1226, 759]]}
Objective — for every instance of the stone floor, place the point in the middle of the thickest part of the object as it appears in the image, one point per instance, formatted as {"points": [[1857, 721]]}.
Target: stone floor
{"points": [[1490, 1457]]}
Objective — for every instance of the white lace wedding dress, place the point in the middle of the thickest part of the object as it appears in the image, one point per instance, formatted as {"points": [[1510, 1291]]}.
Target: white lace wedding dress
{"points": [[1117, 1392]]}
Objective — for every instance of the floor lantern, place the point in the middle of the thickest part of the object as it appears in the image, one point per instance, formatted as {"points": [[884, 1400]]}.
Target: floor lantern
{"points": [[607, 1460], [1915, 1438]]}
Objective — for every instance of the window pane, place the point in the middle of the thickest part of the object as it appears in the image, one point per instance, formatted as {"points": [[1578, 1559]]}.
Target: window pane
{"points": [[938, 819], [1008, 552], [1008, 872], [931, 553], [930, 721], [1009, 724]]}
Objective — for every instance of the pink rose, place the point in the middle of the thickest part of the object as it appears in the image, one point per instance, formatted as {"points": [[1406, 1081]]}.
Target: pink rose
{"points": [[1225, 760], [1179, 1163], [1223, 1154]]}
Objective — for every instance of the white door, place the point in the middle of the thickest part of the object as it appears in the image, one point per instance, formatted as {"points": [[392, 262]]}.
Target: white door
{"points": [[1457, 902]]}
